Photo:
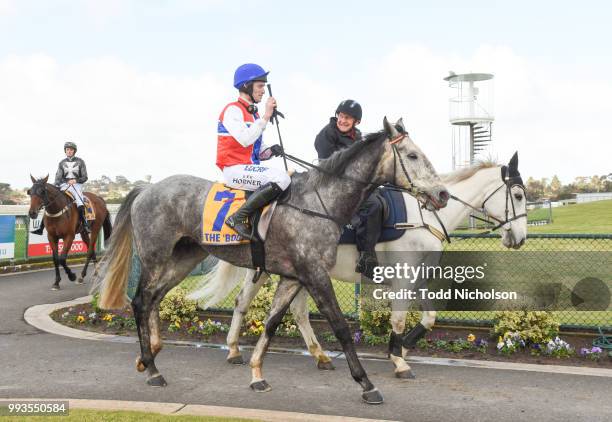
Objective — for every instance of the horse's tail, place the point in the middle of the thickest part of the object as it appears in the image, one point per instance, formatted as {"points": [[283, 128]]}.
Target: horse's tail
{"points": [[108, 227], [217, 284], [112, 284]]}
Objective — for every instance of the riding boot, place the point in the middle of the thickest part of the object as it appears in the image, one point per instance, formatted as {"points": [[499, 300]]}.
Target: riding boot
{"points": [[367, 229], [39, 230], [83, 219], [239, 221]]}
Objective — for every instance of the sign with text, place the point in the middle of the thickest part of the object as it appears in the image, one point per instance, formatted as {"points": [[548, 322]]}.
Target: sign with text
{"points": [[7, 236], [39, 245]]}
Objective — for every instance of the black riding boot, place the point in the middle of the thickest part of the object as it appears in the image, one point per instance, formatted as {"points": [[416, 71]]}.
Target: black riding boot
{"points": [[367, 230], [239, 221], [83, 219], [39, 230]]}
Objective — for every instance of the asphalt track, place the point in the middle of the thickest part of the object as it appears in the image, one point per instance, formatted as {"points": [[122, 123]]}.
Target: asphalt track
{"points": [[37, 364]]}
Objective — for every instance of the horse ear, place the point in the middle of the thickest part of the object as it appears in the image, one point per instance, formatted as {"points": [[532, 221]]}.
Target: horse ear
{"points": [[33, 179], [400, 124], [45, 179], [390, 130], [513, 164]]}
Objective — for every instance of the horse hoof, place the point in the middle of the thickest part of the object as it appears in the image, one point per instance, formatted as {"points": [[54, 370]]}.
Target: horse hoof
{"points": [[236, 360], [55, 287], [71, 277], [405, 375], [261, 386], [157, 381], [140, 366], [325, 366], [372, 397], [80, 280]]}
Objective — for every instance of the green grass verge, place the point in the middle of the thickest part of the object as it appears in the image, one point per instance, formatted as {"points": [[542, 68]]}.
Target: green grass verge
{"points": [[84, 415]]}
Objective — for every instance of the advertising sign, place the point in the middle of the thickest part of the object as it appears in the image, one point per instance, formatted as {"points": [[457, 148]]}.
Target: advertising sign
{"points": [[7, 236], [39, 245]]}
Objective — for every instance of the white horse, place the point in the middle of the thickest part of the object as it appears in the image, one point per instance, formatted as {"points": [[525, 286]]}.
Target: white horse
{"points": [[496, 190]]}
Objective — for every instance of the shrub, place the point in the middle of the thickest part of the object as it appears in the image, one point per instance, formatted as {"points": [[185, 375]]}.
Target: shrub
{"points": [[375, 317], [532, 327], [258, 312], [175, 307]]}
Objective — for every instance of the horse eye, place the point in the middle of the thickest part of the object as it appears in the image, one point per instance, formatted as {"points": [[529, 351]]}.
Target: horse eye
{"points": [[518, 196], [29, 192], [413, 156]]}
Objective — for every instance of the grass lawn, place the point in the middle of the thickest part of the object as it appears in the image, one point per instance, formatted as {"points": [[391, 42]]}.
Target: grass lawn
{"points": [[84, 415]]}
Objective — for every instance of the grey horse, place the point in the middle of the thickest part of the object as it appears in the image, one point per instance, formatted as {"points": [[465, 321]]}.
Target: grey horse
{"points": [[162, 225]]}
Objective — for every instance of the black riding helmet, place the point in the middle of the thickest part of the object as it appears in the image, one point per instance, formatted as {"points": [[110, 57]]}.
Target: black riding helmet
{"points": [[70, 145], [350, 107]]}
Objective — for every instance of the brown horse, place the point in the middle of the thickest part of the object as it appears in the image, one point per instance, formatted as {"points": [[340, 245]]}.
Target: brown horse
{"points": [[61, 219]]}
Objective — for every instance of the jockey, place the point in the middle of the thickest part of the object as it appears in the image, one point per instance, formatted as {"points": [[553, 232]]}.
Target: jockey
{"points": [[240, 148], [71, 174], [340, 133]]}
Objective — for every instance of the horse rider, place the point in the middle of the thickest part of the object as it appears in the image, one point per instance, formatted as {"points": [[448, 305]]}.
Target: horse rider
{"points": [[240, 148], [339, 133], [71, 174]]}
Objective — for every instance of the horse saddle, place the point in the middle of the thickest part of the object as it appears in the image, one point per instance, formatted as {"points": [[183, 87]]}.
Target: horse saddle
{"points": [[394, 212], [223, 201], [90, 214]]}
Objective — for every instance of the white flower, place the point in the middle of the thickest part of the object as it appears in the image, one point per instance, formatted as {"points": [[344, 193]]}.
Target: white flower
{"points": [[500, 345]]}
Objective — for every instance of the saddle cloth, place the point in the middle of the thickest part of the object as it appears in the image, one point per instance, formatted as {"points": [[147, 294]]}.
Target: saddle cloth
{"points": [[221, 202], [396, 206], [90, 214]]}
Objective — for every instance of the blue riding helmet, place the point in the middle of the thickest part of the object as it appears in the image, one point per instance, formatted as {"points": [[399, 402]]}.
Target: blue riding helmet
{"points": [[249, 72]]}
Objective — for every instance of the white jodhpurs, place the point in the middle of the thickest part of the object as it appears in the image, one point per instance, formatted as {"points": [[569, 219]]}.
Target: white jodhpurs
{"points": [[253, 176], [76, 190]]}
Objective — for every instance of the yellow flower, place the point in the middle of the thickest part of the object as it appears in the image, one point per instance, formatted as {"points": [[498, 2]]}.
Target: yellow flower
{"points": [[80, 319], [500, 340], [108, 317], [471, 337], [177, 324]]}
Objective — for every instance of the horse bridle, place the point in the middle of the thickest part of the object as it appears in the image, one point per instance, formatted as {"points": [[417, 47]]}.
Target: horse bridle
{"points": [[509, 183], [47, 203], [412, 190]]}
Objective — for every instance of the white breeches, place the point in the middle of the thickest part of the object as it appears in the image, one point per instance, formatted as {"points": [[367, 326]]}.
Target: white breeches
{"points": [[76, 190], [252, 176]]}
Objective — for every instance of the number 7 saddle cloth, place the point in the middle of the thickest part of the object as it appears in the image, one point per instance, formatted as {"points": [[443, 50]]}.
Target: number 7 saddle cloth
{"points": [[221, 202]]}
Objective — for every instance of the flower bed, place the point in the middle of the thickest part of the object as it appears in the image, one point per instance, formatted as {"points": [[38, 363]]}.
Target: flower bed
{"points": [[441, 342]]}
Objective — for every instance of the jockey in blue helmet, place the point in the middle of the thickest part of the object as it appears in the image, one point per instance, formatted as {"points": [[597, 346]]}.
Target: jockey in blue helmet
{"points": [[240, 147]]}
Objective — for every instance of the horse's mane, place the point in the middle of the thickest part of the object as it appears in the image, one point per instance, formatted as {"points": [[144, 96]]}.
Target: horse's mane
{"points": [[336, 164], [465, 173]]}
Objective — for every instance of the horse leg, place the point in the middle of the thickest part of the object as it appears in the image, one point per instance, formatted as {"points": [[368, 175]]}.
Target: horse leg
{"points": [[396, 350], [428, 320], [66, 249], [286, 291], [143, 305], [318, 283], [242, 303], [299, 310], [86, 240], [54, 248]]}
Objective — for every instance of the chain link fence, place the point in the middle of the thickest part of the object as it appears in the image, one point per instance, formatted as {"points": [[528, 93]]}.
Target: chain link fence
{"points": [[554, 247]]}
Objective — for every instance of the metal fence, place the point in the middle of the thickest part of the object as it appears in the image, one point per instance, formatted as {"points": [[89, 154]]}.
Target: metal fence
{"points": [[348, 294]]}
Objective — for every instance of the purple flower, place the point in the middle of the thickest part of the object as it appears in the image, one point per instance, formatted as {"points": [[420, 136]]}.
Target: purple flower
{"points": [[481, 342], [584, 351], [358, 334], [596, 349]]}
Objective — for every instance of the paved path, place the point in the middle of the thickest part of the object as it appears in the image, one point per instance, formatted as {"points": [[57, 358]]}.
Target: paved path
{"points": [[38, 364]]}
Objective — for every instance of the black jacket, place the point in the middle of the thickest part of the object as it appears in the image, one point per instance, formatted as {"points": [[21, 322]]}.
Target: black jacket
{"points": [[330, 139], [71, 169]]}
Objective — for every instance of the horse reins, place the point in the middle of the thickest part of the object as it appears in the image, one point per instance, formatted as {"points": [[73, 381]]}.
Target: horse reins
{"points": [[412, 190], [47, 203]]}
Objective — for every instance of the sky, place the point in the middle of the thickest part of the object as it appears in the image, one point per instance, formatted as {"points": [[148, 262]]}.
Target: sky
{"points": [[139, 85]]}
